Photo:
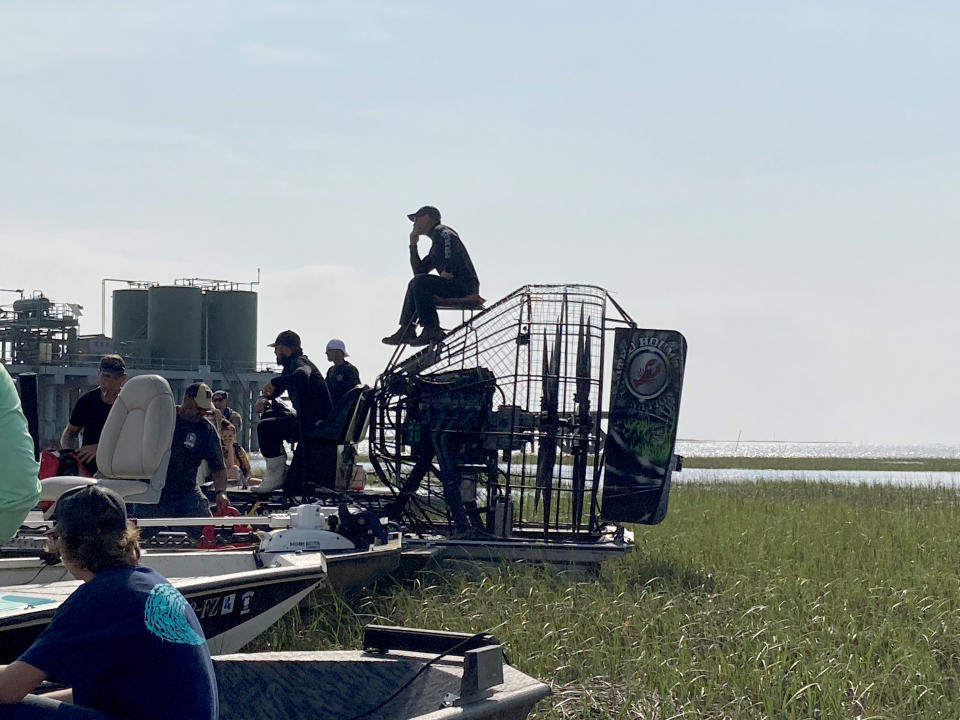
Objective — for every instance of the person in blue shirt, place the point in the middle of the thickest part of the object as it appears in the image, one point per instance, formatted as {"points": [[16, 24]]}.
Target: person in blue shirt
{"points": [[126, 641]]}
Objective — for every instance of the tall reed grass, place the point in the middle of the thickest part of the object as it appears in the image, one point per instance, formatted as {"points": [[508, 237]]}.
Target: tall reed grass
{"points": [[760, 600]]}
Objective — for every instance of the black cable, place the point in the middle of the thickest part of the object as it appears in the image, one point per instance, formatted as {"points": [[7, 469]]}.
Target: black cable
{"points": [[419, 672], [45, 559], [44, 567]]}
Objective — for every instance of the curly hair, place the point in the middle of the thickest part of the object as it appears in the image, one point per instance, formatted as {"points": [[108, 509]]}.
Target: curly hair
{"points": [[100, 552]]}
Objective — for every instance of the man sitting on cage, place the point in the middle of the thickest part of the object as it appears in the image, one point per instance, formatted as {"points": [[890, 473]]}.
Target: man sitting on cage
{"points": [[456, 278]]}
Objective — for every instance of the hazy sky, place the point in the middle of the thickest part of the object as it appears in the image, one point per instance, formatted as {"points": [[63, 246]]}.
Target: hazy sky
{"points": [[773, 180]]}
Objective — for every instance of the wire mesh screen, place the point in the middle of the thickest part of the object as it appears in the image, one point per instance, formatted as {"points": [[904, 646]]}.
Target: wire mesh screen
{"points": [[497, 428]]}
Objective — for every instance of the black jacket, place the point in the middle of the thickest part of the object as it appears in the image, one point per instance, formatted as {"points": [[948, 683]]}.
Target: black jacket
{"points": [[447, 254], [341, 378], [308, 392]]}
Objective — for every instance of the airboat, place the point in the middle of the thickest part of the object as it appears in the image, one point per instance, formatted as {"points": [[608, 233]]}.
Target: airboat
{"points": [[492, 444]]}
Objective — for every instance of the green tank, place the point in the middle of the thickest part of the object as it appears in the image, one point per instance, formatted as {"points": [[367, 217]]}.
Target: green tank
{"points": [[230, 329], [175, 325], [129, 315]]}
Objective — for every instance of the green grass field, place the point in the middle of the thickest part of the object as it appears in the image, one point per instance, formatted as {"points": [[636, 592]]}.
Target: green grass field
{"points": [[758, 600]]}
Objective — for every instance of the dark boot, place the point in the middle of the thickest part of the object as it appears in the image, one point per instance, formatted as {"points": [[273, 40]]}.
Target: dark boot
{"points": [[430, 336], [404, 336]]}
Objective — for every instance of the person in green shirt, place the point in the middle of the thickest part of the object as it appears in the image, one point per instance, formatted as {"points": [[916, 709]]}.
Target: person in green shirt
{"points": [[19, 486]]}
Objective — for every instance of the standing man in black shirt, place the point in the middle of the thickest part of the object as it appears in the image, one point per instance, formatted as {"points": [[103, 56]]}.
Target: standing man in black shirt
{"points": [[456, 278], [341, 376], [305, 385], [91, 410]]}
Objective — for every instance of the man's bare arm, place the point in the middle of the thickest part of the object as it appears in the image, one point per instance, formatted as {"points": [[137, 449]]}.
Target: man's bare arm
{"points": [[220, 480], [65, 695], [17, 680], [68, 438]]}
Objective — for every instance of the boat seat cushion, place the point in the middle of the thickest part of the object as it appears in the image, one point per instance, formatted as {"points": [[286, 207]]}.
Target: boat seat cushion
{"points": [[337, 427], [467, 302], [139, 429]]}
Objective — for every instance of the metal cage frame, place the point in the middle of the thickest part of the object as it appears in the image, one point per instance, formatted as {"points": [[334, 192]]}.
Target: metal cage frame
{"points": [[533, 462]]}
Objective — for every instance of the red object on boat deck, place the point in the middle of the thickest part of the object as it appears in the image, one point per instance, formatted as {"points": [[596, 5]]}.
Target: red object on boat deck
{"points": [[210, 532], [54, 463]]}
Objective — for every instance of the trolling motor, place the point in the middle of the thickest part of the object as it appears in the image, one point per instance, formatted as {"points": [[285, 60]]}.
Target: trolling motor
{"points": [[325, 528]]}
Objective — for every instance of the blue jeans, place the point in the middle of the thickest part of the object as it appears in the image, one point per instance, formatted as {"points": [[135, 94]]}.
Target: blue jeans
{"points": [[188, 504], [37, 707]]}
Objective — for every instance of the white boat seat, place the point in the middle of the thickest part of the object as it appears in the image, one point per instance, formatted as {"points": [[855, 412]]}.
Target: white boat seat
{"points": [[134, 448]]}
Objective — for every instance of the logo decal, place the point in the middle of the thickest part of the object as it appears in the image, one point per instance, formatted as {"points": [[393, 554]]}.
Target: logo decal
{"points": [[165, 615], [648, 373]]}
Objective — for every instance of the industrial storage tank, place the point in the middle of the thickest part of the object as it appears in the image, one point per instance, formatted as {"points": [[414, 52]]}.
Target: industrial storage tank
{"points": [[174, 324], [32, 308], [129, 315], [230, 322]]}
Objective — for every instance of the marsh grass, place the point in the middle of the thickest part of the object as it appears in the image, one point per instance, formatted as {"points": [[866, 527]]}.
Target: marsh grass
{"points": [[781, 600], [825, 463]]}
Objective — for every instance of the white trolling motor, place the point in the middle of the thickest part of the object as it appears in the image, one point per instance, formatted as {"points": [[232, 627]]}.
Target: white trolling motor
{"points": [[325, 529]]}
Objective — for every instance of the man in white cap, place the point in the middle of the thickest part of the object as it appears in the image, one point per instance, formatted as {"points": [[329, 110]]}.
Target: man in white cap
{"points": [[341, 376]]}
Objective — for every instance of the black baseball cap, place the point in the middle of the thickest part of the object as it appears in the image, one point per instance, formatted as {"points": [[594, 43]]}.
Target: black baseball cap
{"points": [[288, 338], [425, 210], [89, 511], [112, 365]]}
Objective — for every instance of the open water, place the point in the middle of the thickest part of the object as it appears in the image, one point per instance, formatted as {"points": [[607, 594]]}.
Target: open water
{"points": [[777, 448], [899, 475]]}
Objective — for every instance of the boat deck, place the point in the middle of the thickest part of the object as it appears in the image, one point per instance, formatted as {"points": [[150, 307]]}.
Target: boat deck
{"points": [[342, 684]]}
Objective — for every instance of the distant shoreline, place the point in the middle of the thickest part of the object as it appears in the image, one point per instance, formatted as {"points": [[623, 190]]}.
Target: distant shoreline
{"points": [[891, 464]]}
